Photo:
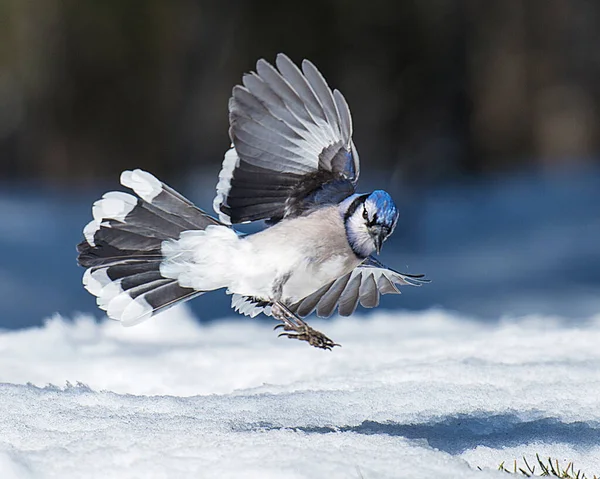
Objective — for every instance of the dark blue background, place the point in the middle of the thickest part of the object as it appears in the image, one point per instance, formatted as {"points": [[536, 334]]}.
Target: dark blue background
{"points": [[499, 245]]}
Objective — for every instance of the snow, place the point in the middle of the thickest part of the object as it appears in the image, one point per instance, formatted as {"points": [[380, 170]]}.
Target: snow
{"points": [[429, 394]]}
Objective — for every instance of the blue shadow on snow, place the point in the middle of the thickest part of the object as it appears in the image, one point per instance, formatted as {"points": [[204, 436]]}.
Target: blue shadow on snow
{"points": [[456, 434]]}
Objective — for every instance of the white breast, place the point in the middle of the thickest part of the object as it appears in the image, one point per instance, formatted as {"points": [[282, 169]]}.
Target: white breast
{"points": [[305, 252], [292, 258]]}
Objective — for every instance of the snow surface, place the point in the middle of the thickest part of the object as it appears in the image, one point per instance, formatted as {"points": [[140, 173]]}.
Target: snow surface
{"points": [[408, 395]]}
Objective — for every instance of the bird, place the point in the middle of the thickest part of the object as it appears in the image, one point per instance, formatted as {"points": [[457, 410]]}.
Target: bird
{"points": [[293, 165]]}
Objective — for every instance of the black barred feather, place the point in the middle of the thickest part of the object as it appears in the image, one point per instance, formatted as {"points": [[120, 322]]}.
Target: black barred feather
{"points": [[128, 269], [124, 240], [168, 295], [123, 245], [103, 254], [134, 280], [177, 210], [137, 290]]}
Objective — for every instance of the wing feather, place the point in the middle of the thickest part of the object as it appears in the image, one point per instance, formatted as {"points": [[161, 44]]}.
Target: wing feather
{"points": [[288, 97], [260, 156], [298, 82], [368, 292], [364, 285], [345, 118], [317, 125], [277, 107], [246, 106], [385, 286], [307, 305], [287, 123], [278, 147], [249, 306], [329, 300], [348, 300], [323, 93]]}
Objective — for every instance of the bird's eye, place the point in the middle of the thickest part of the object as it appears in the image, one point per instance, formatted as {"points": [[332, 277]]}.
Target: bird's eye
{"points": [[365, 214]]}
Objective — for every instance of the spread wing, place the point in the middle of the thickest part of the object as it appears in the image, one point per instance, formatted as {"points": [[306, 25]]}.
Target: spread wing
{"points": [[364, 284], [291, 145]]}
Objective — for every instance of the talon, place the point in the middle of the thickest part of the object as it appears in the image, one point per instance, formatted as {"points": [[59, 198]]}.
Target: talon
{"points": [[296, 328], [285, 327], [288, 335], [312, 337]]}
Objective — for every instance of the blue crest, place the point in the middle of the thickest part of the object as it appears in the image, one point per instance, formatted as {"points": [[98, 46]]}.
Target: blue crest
{"points": [[387, 212]]}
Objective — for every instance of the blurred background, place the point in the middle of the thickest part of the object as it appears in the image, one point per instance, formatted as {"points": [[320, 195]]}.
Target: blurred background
{"points": [[481, 118]]}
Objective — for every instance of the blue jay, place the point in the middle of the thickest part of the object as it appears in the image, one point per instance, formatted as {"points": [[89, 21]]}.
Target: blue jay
{"points": [[292, 163]]}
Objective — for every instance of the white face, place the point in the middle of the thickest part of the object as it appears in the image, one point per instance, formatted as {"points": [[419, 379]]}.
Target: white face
{"points": [[369, 212], [371, 221], [357, 229]]}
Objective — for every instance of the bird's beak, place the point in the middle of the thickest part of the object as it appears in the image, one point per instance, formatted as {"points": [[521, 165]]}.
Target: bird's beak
{"points": [[378, 242], [378, 234]]}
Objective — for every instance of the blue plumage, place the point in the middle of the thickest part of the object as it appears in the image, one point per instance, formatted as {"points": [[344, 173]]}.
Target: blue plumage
{"points": [[387, 212], [368, 220]]}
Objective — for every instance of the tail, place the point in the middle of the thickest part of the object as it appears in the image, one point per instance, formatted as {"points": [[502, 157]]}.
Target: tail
{"points": [[122, 247]]}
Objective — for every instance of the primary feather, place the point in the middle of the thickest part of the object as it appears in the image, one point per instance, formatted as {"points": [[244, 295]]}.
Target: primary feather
{"points": [[287, 128]]}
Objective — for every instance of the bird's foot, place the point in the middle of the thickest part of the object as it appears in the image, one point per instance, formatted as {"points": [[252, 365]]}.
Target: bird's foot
{"points": [[296, 328], [306, 333]]}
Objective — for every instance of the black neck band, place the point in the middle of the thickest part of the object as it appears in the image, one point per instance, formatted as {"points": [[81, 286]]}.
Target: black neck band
{"points": [[354, 206]]}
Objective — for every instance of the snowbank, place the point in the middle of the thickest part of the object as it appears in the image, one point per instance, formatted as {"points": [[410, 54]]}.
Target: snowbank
{"points": [[408, 395]]}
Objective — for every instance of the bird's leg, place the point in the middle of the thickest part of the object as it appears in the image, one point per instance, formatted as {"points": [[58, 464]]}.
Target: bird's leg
{"points": [[296, 328]]}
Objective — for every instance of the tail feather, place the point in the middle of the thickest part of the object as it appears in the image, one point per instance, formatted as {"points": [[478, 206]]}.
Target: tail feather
{"points": [[137, 304], [130, 268], [150, 222], [116, 289], [122, 247], [140, 279], [124, 240], [103, 254], [161, 197]]}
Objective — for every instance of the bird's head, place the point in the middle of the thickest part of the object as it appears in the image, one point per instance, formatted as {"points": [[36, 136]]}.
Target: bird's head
{"points": [[369, 220]]}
